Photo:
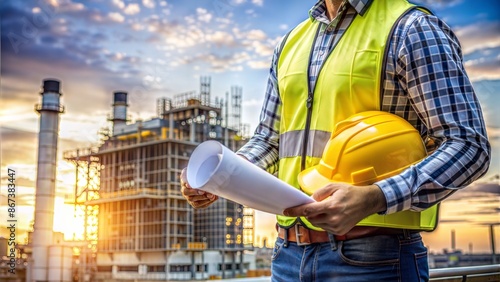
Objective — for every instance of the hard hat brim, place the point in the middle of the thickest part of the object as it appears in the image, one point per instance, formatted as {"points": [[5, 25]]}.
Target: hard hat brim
{"points": [[311, 180]]}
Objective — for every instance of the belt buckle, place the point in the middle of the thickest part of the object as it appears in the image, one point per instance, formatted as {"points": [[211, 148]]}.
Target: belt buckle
{"points": [[298, 235]]}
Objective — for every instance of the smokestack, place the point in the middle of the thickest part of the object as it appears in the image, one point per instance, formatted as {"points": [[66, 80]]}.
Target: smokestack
{"points": [[119, 109], [492, 242], [49, 111], [453, 240]]}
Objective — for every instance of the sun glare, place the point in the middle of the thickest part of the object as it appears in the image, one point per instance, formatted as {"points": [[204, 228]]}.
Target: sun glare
{"points": [[66, 222]]}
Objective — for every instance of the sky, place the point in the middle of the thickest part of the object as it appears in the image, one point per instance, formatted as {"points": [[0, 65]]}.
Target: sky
{"points": [[154, 49]]}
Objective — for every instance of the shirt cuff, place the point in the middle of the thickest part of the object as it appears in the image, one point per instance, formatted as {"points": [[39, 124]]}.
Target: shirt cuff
{"points": [[397, 194], [252, 154]]}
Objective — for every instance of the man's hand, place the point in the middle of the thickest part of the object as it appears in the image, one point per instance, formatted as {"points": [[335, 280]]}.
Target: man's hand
{"points": [[196, 198], [341, 206]]}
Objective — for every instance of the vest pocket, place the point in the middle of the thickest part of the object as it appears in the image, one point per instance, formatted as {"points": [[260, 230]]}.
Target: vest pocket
{"points": [[365, 79], [293, 91]]}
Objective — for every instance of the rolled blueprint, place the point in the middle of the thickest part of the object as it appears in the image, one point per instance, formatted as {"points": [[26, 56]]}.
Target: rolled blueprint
{"points": [[214, 168]]}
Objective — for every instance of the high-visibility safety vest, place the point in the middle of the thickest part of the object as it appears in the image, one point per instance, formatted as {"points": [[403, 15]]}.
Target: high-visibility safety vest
{"points": [[349, 82]]}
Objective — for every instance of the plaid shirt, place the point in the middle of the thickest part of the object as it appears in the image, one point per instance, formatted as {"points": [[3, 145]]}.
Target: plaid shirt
{"points": [[425, 83]]}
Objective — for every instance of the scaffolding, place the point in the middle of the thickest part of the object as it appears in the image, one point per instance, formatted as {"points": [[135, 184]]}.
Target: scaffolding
{"points": [[236, 96], [87, 164], [128, 190], [205, 89]]}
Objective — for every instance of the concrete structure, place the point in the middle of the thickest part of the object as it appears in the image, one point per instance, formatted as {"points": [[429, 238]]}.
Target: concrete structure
{"points": [[138, 225], [49, 111]]}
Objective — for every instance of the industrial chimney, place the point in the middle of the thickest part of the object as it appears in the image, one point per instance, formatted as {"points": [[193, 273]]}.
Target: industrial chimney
{"points": [[49, 111], [119, 110]]}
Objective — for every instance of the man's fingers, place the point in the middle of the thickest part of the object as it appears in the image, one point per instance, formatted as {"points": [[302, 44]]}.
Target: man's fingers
{"points": [[196, 198], [305, 210], [203, 203], [298, 210], [317, 207], [186, 191], [324, 192], [295, 211]]}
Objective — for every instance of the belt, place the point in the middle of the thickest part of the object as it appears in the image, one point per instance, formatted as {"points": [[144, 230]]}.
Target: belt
{"points": [[305, 236]]}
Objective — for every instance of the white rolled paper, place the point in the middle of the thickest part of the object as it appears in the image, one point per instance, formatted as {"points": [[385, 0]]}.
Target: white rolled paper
{"points": [[214, 168]]}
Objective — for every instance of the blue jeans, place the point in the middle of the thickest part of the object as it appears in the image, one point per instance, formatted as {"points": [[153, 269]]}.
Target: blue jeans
{"points": [[377, 258]]}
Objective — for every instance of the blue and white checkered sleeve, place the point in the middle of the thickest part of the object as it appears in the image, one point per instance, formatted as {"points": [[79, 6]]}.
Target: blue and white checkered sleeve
{"points": [[431, 70], [262, 148]]}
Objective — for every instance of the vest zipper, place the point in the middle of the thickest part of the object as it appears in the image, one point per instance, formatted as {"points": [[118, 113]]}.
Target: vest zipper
{"points": [[310, 97], [309, 104]]}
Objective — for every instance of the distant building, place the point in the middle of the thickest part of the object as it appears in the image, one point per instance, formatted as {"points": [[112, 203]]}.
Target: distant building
{"points": [[128, 192]]}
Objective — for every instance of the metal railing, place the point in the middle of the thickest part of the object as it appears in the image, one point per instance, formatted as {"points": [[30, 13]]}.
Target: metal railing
{"points": [[482, 273], [467, 273]]}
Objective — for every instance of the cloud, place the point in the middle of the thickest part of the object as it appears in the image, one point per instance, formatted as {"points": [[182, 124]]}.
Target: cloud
{"points": [[441, 220], [223, 22], [284, 26], [217, 62], [18, 146], [197, 34], [476, 191], [149, 3], [258, 2], [74, 10], [118, 3], [20, 181], [252, 103], [21, 146], [203, 15], [117, 17], [202, 33], [183, 37], [254, 35], [493, 188], [487, 92], [485, 211], [132, 9], [259, 64], [221, 38], [439, 3], [254, 2], [481, 69], [493, 133], [88, 71], [479, 35], [262, 48], [477, 203], [64, 6], [483, 64], [21, 200]]}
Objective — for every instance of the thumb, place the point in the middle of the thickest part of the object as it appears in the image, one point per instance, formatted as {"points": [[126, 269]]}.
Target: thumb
{"points": [[324, 192]]}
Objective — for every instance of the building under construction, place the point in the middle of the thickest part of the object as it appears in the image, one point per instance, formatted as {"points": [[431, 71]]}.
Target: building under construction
{"points": [[137, 224]]}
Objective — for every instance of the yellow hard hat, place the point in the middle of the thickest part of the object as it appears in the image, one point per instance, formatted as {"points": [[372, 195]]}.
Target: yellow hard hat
{"points": [[363, 149]]}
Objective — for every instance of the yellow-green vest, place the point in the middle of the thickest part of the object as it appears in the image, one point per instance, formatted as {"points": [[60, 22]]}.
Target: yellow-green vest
{"points": [[348, 83]]}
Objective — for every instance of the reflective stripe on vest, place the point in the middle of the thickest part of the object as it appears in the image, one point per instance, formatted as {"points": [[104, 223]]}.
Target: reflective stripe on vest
{"points": [[348, 83]]}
